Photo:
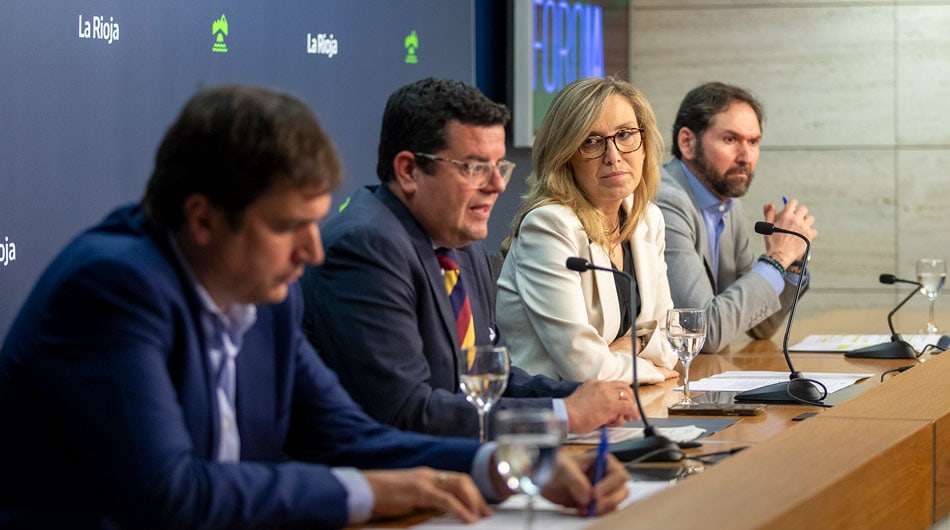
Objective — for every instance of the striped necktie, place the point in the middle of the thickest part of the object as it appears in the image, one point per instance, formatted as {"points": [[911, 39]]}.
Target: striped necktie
{"points": [[461, 305]]}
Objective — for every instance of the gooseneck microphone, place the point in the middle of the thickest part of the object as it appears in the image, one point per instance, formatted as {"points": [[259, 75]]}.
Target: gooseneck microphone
{"points": [[798, 389], [652, 447], [897, 348]]}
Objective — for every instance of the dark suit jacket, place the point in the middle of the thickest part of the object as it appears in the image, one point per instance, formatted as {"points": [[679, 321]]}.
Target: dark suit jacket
{"points": [[109, 419], [378, 313]]}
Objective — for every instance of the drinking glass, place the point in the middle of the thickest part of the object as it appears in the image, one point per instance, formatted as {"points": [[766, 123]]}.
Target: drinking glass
{"points": [[931, 273], [686, 331], [528, 440], [483, 376]]}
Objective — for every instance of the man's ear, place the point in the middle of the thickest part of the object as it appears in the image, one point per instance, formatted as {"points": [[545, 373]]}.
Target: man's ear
{"points": [[202, 219], [686, 140], [406, 171]]}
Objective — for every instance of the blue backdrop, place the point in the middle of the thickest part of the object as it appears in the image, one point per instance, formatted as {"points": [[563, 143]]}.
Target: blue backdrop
{"points": [[89, 88]]}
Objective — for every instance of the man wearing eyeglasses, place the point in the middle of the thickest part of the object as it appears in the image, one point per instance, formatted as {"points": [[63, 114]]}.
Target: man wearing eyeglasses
{"points": [[378, 310], [710, 262]]}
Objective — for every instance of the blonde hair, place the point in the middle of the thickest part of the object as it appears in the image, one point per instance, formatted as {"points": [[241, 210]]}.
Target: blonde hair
{"points": [[565, 126]]}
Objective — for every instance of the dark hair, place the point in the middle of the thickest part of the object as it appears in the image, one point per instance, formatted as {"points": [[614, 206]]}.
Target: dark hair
{"points": [[705, 101], [233, 144], [416, 114]]}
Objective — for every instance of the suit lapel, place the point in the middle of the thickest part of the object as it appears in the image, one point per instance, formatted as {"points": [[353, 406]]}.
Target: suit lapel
{"points": [[641, 250], [675, 170], [426, 254], [606, 288]]}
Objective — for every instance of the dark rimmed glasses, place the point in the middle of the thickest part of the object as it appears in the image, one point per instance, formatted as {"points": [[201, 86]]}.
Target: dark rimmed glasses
{"points": [[625, 140], [479, 174]]}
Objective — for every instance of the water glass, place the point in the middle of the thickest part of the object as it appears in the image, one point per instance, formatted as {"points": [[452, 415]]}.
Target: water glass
{"points": [[931, 273], [483, 376], [528, 441], [686, 332]]}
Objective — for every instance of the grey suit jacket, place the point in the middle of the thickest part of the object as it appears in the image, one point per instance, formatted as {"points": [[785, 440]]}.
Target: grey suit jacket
{"points": [[378, 314], [736, 301]]}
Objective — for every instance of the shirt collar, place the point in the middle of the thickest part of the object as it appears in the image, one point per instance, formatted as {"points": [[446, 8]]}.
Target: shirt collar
{"points": [[235, 320]]}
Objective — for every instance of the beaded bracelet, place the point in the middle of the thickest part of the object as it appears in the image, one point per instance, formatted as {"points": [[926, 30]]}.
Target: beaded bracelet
{"points": [[773, 262]]}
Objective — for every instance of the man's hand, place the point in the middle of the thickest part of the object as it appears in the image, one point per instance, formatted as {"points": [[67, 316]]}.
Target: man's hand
{"points": [[399, 492], [570, 486], [786, 248], [597, 403]]}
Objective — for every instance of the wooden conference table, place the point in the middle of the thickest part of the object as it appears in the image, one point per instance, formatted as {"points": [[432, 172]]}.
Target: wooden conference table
{"points": [[879, 458]]}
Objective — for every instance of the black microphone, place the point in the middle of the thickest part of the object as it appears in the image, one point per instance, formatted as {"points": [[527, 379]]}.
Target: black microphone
{"points": [[652, 447], [798, 389], [897, 348]]}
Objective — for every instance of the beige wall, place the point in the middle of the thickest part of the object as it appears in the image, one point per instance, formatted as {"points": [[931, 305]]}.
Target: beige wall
{"points": [[857, 122]]}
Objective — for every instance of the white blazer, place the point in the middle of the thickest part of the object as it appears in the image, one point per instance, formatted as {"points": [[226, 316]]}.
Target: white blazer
{"points": [[559, 322]]}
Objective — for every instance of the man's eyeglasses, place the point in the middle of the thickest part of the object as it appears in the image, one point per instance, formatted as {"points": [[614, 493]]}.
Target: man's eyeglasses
{"points": [[625, 140], [478, 173]]}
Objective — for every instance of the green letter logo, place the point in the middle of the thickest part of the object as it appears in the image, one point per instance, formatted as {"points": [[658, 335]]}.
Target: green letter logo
{"points": [[411, 44], [220, 29]]}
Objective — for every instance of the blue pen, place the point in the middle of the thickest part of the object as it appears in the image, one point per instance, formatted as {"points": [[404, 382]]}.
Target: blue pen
{"points": [[784, 199], [599, 467]]}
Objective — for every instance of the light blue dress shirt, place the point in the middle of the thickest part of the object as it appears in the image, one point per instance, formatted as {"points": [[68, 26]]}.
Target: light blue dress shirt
{"points": [[714, 211]]}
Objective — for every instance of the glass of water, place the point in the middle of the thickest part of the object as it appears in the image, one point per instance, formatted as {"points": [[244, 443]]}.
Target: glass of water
{"points": [[686, 331], [528, 440], [931, 273], [483, 376]]}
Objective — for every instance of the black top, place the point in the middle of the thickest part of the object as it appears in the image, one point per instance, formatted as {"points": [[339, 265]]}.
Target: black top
{"points": [[623, 289]]}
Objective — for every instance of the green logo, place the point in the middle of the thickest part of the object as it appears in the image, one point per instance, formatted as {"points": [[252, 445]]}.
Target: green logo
{"points": [[220, 30], [411, 44]]}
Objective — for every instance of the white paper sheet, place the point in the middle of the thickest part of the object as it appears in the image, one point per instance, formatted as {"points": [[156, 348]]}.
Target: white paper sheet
{"points": [[738, 381], [685, 433], [844, 343], [548, 516]]}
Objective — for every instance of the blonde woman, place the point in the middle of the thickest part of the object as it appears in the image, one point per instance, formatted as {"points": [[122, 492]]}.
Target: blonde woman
{"points": [[595, 172]]}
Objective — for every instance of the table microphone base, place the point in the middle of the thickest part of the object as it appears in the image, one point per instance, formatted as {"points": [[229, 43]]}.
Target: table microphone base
{"points": [[897, 349], [791, 392], [647, 449]]}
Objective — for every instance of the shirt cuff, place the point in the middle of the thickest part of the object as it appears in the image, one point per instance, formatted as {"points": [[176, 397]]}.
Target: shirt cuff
{"points": [[560, 412], [771, 275], [359, 496], [481, 472], [792, 278]]}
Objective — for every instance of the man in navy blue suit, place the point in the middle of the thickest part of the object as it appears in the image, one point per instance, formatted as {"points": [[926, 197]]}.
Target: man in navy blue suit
{"points": [[377, 310], [156, 376]]}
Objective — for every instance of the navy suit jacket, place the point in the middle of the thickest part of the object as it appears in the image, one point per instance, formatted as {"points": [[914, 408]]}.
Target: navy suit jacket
{"points": [[109, 419], [378, 313]]}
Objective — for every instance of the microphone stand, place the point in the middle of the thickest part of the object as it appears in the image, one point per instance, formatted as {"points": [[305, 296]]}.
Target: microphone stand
{"points": [[653, 447], [898, 348], [797, 389]]}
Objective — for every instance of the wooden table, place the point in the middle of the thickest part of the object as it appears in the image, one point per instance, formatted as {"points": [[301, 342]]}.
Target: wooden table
{"points": [[880, 459]]}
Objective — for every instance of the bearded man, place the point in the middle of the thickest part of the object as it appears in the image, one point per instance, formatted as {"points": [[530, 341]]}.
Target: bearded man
{"points": [[710, 262]]}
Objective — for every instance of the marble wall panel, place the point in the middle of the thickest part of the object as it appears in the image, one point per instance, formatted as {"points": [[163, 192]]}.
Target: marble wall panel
{"points": [[751, 4], [825, 74], [923, 224], [923, 75], [848, 192]]}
